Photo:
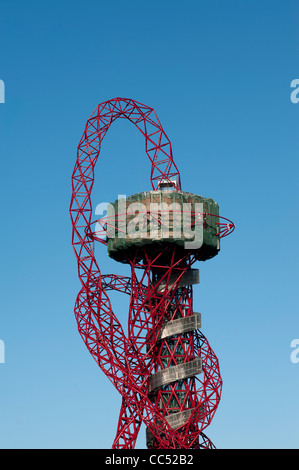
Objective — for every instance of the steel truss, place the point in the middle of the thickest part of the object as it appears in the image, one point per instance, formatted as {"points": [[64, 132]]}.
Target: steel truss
{"points": [[164, 368]]}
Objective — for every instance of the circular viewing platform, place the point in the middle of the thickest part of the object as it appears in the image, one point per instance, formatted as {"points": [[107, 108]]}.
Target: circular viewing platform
{"points": [[154, 219]]}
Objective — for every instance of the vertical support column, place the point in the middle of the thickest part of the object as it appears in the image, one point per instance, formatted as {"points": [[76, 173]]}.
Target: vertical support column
{"points": [[172, 386]]}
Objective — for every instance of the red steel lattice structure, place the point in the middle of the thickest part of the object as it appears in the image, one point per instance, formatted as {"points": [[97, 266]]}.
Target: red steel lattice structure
{"points": [[164, 368]]}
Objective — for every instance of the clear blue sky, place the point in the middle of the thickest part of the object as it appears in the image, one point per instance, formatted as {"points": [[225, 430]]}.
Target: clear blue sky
{"points": [[218, 75]]}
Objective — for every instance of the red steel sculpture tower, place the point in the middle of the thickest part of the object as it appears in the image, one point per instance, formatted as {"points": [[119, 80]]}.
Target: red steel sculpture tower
{"points": [[163, 367]]}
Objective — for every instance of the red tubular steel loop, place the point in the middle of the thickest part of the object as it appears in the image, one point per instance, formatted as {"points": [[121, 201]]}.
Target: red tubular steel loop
{"points": [[128, 361]]}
